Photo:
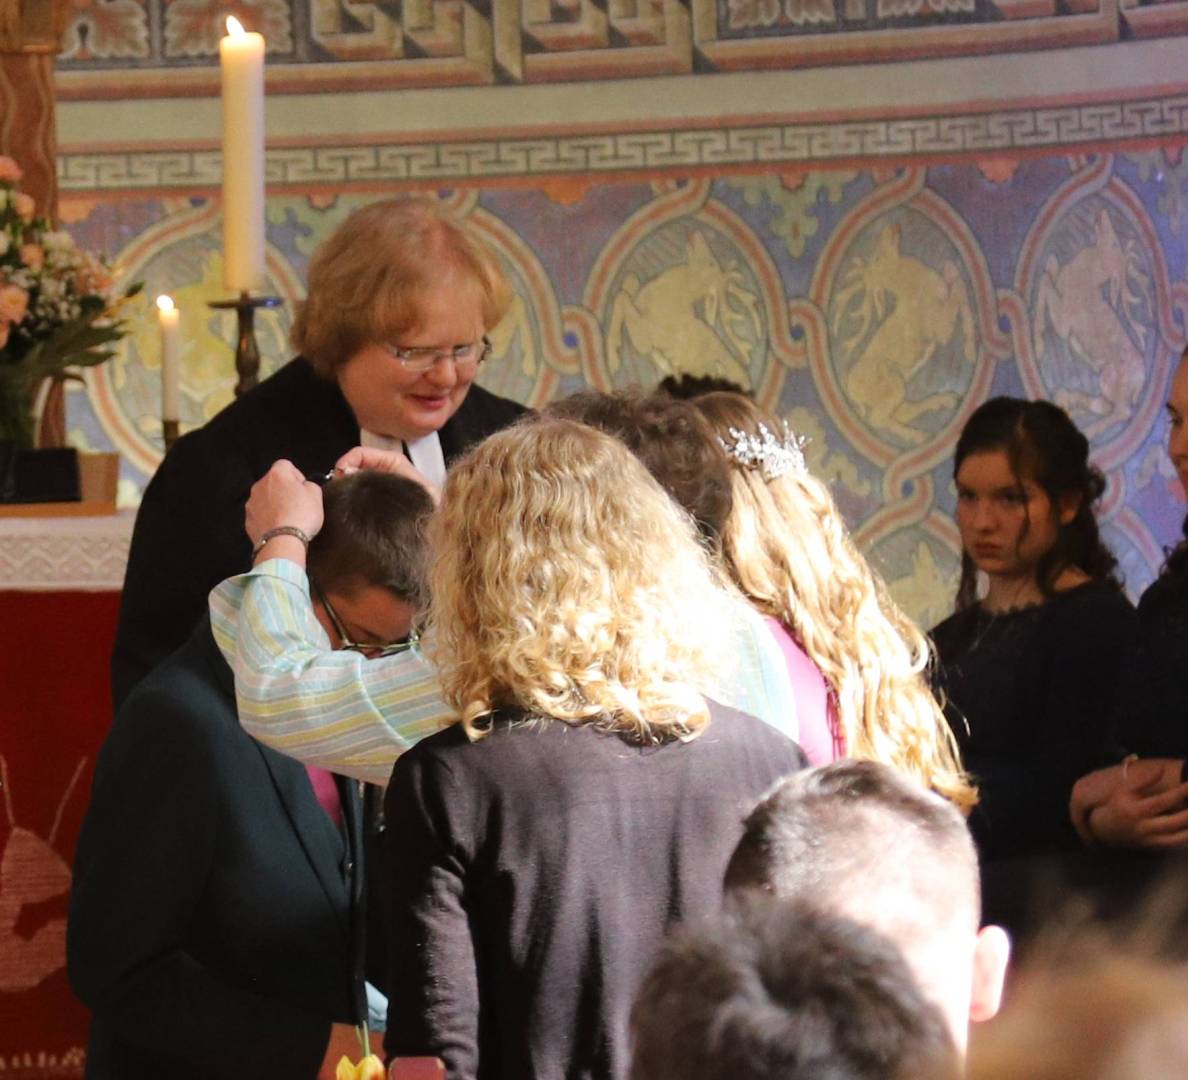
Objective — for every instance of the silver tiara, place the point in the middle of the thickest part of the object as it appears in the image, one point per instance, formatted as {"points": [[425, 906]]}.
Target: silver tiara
{"points": [[772, 456]]}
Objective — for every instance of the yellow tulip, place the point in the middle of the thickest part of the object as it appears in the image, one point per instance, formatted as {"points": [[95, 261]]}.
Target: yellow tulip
{"points": [[370, 1068]]}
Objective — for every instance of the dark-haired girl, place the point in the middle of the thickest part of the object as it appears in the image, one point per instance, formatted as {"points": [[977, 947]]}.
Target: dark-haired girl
{"points": [[1143, 801], [1029, 668]]}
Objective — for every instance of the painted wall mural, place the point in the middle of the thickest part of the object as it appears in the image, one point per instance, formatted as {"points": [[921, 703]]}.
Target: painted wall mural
{"points": [[389, 43], [875, 308]]}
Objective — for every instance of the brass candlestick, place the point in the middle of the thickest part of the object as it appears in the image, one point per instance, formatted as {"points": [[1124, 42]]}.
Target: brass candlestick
{"points": [[170, 432], [247, 352]]}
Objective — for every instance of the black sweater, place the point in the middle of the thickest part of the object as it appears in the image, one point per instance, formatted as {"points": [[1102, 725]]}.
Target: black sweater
{"points": [[534, 873], [1153, 705], [1029, 695]]}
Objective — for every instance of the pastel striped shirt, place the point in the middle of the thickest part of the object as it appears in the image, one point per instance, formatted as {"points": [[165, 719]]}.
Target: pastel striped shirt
{"points": [[355, 716], [338, 710]]}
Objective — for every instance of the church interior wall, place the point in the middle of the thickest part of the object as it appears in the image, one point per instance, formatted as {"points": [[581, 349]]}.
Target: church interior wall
{"points": [[874, 216]]}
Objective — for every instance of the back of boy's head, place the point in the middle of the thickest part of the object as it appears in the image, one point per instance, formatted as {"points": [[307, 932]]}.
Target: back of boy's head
{"points": [[777, 990], [859, 839], [372, 535]]}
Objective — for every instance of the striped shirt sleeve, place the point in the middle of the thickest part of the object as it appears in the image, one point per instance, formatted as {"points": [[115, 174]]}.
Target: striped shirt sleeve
{"points": [[338, 710]]}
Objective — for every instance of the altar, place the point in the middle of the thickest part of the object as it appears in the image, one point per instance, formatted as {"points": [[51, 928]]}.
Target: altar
{"points": [[60, 580]]}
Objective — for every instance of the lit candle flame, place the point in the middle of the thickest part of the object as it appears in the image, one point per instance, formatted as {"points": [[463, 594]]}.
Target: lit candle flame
{"points": [[165, 303], [234, 26]]}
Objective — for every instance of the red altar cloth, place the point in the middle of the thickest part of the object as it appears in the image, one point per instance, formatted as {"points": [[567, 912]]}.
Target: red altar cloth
{"points": [[55, 710]]}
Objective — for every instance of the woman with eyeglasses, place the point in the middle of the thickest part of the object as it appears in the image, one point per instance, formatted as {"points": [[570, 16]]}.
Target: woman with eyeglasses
{"points": [[391, 336]]}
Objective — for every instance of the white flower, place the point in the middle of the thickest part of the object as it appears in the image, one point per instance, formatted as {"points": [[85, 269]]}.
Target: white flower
{"points": [[58, 240]]}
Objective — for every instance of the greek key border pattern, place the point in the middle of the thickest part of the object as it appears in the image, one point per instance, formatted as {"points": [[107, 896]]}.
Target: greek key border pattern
{"points": [[607, 154]]}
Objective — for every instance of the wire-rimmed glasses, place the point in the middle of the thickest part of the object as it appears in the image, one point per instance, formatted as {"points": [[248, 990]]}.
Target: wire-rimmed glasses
{"points": [[421, 358], [372, 652]]}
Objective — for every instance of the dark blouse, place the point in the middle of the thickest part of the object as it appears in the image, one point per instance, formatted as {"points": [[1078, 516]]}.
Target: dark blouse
{"points": [[534, 873], [1030, 696], [1153, 707]]}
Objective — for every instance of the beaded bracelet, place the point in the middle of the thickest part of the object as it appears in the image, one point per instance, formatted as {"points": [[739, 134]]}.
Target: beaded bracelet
{"points": [[280, 530]]}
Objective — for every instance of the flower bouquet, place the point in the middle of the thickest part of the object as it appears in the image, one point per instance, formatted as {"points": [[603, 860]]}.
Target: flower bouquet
{"points": [[58, 309]]}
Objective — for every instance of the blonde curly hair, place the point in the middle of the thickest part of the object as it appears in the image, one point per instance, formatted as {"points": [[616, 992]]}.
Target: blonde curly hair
{"points": [[789, 551], [566, 583]]}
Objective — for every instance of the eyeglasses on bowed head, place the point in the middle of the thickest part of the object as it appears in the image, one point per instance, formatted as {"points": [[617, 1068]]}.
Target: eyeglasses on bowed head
{"points": [[372, 650], [419, 358]]}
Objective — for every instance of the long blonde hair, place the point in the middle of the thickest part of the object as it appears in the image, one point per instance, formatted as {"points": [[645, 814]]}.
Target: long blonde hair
{"points": [[567, 584], [790, 553]]}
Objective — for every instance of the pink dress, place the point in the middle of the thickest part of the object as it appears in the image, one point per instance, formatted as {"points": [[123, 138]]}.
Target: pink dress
{"points": [[820, 737]]}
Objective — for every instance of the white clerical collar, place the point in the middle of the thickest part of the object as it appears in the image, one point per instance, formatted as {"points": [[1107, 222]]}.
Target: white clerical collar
{"points": [[425, 453]]}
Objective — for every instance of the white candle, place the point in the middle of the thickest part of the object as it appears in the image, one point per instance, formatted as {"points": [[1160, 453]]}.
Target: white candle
{"points": [[241, 59], [169, 319]]}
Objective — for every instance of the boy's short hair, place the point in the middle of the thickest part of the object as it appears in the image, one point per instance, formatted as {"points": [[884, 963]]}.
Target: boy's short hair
{"points": [[860, 838], [372, 535], [778, 990]]}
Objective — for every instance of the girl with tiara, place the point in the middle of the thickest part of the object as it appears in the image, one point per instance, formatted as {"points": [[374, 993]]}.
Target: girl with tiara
{"points": [[857, 662]]}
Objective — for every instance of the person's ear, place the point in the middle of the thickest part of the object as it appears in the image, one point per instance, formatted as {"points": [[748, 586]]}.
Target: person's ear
{"points": [[1067, 507], [992, 954]]}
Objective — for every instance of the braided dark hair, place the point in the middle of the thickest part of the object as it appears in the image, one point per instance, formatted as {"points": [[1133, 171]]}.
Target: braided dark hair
{"points": [[1045, 446]]}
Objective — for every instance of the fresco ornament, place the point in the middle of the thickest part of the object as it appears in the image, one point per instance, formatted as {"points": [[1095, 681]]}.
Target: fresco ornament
{"points": [[687, 304], [834, 467], [195, 27], [107, 30], [928, 585], [182, 256], [794, 199], [893, 315], [1169, 167], [1092, 307]]}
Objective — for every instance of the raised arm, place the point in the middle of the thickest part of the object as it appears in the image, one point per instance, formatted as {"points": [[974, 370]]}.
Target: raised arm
{"points": [[333, 709]]}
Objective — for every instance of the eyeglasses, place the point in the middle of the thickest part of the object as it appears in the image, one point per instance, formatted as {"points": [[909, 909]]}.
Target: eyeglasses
{"points": [[372, 652], [422, 358]]}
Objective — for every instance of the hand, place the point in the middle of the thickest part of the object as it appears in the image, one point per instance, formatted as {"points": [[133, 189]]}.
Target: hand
{"points": [[389, 461], [1090, 792], [282, 496], [344, 1042], [1097, 788], [1145, 811]]}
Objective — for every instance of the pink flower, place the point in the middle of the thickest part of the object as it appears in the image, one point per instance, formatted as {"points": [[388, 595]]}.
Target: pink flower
{"points": [[3, 335], [9, 169], [24, 206], [14, 303], [33, 256]]}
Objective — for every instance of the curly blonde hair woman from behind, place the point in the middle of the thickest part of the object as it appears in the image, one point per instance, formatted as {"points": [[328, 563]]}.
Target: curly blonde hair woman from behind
{"points": [[590, 797], [572, 587], [789, 551]]}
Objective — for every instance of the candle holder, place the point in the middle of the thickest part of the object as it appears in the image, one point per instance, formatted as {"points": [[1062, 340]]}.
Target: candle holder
{"points": [[247, 352], [170, 429]]}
